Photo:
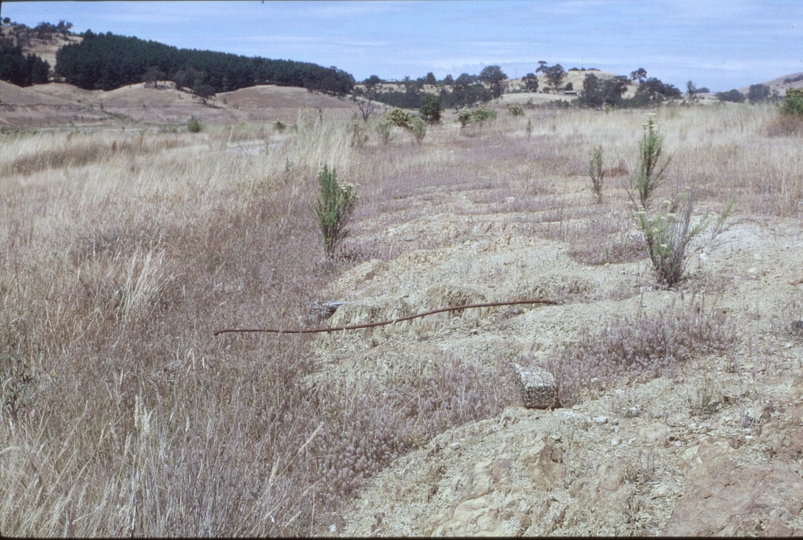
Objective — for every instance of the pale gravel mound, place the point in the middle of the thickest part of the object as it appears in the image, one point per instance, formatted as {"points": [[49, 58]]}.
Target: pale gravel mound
{"points": [[712, 448]]}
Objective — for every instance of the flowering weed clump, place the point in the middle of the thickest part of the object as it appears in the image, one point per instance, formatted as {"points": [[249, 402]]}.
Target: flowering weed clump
{"points": [[371, 425], [644, 347]]}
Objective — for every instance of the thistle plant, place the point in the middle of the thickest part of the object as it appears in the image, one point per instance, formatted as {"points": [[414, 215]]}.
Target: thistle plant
{"points": [[649, 172], [596, 172], [333, 209]]}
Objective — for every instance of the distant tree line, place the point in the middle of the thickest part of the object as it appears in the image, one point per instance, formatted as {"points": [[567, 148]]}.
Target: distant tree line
{"points": [[108, 61], [465, 91], [757, 93], [599, 92], [22, 69], [26, 69], [21, 34]]}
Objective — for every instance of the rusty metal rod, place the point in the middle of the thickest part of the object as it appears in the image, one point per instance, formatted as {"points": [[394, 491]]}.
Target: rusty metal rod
{"points": [[381, 323]]}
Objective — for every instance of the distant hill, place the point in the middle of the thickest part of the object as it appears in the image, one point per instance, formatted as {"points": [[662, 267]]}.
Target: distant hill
{"points": [[793, 80], [108, 61], [60, 104]]}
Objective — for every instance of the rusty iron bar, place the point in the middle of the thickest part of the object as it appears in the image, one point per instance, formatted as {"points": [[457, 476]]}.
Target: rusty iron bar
{"points": [[380, 323]]}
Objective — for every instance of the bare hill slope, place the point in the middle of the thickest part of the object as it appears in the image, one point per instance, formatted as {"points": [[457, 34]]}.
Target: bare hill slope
{"points": [[61, 104]]}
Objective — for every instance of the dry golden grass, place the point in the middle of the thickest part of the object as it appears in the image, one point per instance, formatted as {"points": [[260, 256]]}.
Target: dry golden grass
{"points": [[121, 252]]}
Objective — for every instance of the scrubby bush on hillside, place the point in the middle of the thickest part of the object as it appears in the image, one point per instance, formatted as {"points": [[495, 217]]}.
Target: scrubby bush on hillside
{"points": [[733, 96], [597, 92], [515, 109], [759, 93], [793, 102], [194, 125], [431, 109], [399, 118], [479, 115], [652, 92]]}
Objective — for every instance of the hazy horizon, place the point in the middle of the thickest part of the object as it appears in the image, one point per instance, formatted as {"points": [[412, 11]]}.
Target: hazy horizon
{"points": [[719, 45]]}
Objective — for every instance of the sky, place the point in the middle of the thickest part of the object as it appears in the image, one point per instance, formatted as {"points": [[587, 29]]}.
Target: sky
{"points": [[718, 44]]}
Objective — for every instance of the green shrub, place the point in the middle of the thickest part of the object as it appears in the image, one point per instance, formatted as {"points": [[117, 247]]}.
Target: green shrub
{"points": [[431, 109], [481, 115], [464, 117], [793, 102], [649, 174], [419, 130], [399, 118], [279, 126], [194, 125], [333, 209], [596, 172], [515, 109], [529, 127]]}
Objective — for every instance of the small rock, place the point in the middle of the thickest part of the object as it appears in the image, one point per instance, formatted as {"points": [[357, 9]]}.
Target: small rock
{"points": [[601, 419], [537, 386], [615, 441], [319, 311]]}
